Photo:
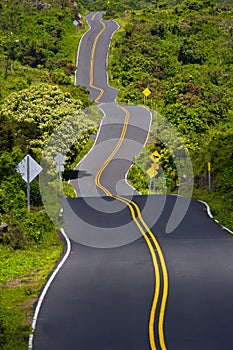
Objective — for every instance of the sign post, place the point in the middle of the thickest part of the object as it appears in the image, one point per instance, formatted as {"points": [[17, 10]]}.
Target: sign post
{"points": [[146, 93], [28, 184], [209, 177], [60, 159], [28, 168], [153, 170]]}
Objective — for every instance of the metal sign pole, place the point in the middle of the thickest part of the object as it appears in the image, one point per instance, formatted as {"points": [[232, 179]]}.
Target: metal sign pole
{"points": [[28, 184], [150, 185], [28, 168], [60, 178], [60, 159], [209, 177]]}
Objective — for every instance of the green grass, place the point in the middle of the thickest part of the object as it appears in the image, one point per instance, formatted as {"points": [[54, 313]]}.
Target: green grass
{"points": [[20, 78], [81, 154], [68, 190], [22, 275], [221, 207], [70, 43], [220, 203], [94, 114], [23, 272]]}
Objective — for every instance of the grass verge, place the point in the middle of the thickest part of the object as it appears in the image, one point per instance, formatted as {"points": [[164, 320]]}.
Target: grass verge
{"points": [[22, 275], [221, 209]]}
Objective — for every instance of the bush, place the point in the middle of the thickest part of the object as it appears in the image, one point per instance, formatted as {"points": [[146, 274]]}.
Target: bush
{"points": [[12, 197], [14, 237], [59, 77]]}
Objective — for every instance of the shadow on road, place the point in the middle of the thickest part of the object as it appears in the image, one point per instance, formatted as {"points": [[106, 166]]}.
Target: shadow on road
{"points": [[74, 174]]}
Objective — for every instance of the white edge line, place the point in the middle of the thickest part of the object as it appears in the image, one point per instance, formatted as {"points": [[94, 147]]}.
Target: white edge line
{"points": [[46, 287], [106, 60], [177, 195], [107, 75], [79, 47], [127, 182], [104, 114], [126, 175], [86, 155], [68, 244], [227, 229], [97, 135], [211, 216], [70, 183], [107, 56], [208, 208]]}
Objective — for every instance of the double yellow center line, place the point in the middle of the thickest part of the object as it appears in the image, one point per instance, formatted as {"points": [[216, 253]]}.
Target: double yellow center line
{"points": [[143, 228], [101, 91], [147, 234]]}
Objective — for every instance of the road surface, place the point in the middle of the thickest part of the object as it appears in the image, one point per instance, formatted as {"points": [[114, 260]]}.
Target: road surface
{"points": [[127, 284]]}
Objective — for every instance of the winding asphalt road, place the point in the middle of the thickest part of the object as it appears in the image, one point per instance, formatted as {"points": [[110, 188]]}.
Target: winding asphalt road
{"points": [[111, 293]]}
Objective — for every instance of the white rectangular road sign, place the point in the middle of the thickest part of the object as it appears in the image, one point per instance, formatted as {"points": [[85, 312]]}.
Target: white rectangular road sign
{"points": [[28, 168], [60, 158], [60, 168]]}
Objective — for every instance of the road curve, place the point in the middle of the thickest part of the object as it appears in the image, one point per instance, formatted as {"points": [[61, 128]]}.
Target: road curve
{"points": [[113, 177], [97, 38], [115, 298], [115, 152]]}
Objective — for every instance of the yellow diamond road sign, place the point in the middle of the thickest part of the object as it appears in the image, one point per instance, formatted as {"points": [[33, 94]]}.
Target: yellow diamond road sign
{"points": [[146, 92], [155, 165], [155, 156], [152, 172]]}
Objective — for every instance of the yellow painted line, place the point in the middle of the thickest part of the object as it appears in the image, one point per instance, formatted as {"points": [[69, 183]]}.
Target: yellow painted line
{"points": [[156, 270], [128, 203], [99, 173], [92, 63], [93, 17], [132, 204], [165, 283]]}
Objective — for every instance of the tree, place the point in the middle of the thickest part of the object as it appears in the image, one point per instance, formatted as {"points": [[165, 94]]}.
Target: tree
{"points": [[35, 112]]}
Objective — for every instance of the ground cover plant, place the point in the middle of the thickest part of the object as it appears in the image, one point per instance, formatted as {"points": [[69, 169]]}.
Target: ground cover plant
{"points": [[183, 54], [38, 48]]}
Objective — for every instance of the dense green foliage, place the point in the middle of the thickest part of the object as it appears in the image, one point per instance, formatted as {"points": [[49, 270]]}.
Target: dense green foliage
{"points": [[114, 7], [38, 48], [184, 55], [30, 117], [34, 113], [38, 45]]}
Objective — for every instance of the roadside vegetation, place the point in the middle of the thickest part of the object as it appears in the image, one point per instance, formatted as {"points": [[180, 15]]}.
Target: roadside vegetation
{"points": [[183, 54], [38, 49]]}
